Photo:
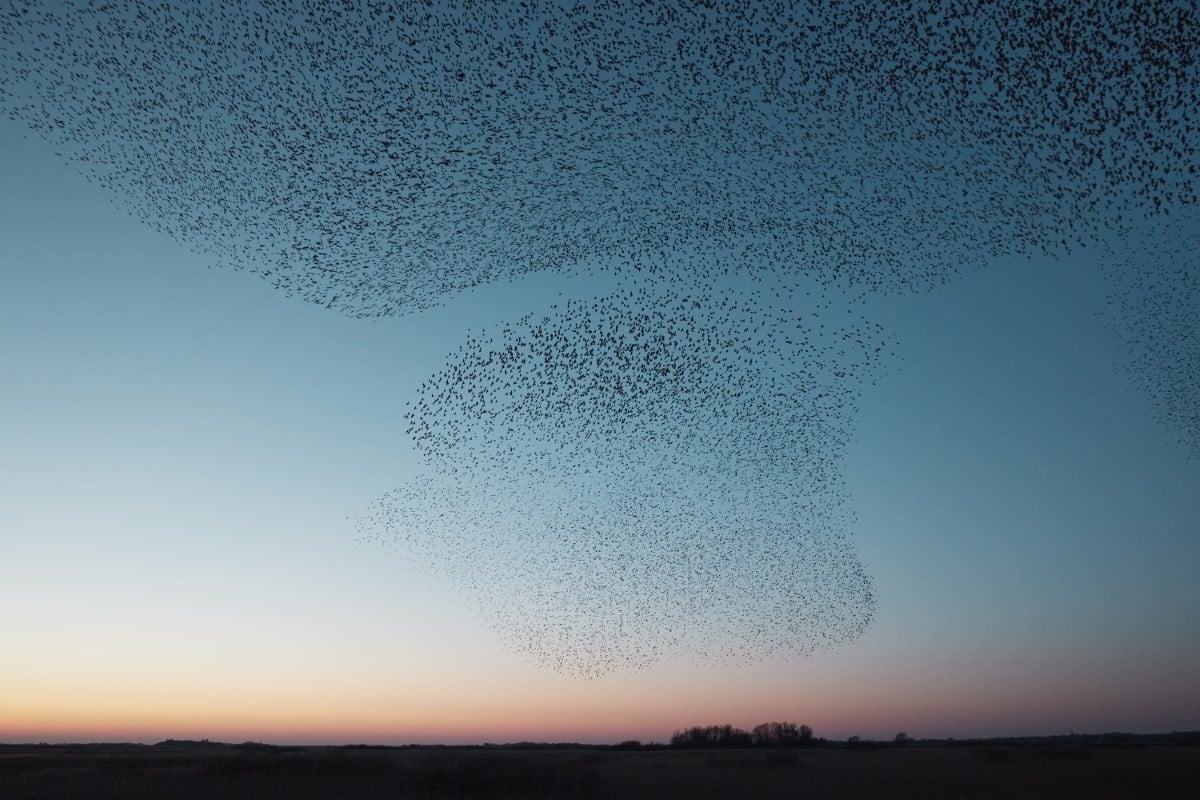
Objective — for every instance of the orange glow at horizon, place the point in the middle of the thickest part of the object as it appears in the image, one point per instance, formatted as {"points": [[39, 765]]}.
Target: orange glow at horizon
{"points": [[331, 699]]}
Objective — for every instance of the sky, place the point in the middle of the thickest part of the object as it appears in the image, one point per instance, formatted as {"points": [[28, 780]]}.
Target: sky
{"points": [[188, 453]]}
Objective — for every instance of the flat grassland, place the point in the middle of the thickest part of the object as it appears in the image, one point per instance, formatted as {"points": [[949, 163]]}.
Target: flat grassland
{"points": [[66, 772]]}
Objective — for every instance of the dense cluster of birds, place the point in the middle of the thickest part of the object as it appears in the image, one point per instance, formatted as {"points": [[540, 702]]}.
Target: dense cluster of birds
{"points": [[584, 465], [651, 472], [376, 157]]}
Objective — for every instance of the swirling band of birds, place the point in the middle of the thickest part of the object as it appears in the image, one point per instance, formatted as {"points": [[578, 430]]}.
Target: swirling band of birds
{"points": [[650, 473], [381, 158], [376, 157]]}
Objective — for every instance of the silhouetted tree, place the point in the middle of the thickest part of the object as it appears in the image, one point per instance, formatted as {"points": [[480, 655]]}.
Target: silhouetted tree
{"points": [[725, 736], [782, 734], [768, 734]]}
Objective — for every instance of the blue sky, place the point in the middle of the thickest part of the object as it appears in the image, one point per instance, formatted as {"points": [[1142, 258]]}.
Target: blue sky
{"points": [[659, 430], [186, 451]]}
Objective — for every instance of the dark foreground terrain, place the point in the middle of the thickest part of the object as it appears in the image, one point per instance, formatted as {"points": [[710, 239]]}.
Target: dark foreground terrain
{"points": [[232, 772]]}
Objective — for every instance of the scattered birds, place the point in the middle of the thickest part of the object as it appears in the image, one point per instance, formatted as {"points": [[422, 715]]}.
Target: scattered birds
{"points": [[656, 470], [1153, 312]]}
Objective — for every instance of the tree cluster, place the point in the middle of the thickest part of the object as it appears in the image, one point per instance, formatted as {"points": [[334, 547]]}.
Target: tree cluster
{"points": [[781, 734], [766, 735]]}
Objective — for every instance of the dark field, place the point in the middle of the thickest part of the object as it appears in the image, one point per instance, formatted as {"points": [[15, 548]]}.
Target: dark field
{"points": [[234, 772]]}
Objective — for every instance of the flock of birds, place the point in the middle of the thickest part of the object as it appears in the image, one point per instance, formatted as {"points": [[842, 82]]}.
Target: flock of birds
{"points": [[657, 470], [647, 473]]}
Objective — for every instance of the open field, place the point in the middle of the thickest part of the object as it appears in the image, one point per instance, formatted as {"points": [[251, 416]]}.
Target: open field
{"points": [[64, 772]]}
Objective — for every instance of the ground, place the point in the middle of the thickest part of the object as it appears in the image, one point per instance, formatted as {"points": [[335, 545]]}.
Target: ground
{"points": [[199, 770]]}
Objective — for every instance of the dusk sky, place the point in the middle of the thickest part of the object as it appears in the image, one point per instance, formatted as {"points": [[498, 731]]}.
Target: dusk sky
{"points": [[190, 455]]}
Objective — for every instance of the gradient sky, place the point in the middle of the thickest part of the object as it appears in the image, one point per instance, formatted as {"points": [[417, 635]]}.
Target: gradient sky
{"points": [[186, 452]]}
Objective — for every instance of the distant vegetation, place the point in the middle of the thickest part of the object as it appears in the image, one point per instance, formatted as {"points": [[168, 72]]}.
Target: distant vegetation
{"points": [[768, 734], [785, 735]]}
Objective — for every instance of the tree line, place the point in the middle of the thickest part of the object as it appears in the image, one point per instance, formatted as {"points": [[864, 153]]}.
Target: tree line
{"points": [[768, 734]]}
